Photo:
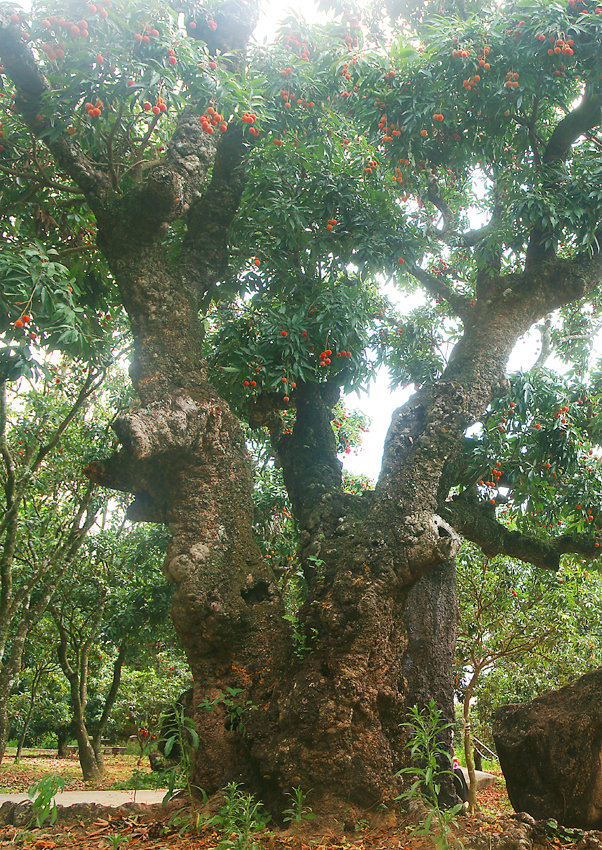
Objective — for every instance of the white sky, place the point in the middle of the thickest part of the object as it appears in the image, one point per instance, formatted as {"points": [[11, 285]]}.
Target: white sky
{"points": [[380, 402]]}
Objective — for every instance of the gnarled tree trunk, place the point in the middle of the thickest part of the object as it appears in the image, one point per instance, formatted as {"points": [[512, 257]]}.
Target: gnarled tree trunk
{"points": [[380, 613]]}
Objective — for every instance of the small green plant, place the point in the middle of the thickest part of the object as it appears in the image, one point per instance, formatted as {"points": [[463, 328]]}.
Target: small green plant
{"points": [[142, 779], [235, 708], [297, 812], [428, 754], [239, 820], [41, 794], [186, 738], [114, 841], [303, 643], [318, 565]]}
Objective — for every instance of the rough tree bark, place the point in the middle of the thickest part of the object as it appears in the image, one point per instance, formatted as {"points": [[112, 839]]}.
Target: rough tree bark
{"points": [[379, 567]]}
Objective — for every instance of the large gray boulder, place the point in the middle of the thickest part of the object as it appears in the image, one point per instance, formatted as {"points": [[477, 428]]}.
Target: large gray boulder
{"points": [[550, 751]]}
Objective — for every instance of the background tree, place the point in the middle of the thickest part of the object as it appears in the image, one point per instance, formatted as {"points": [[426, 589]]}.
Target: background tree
{"points": [[97, 614], [37, 669], [497, 116], [507, 611], [573, 650], [49, 507]]}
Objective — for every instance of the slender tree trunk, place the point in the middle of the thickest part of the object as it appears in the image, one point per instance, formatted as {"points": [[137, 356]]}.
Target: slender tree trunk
{"points": [[76, 675], [62, 736], [32, 702], [109, 703], [468, 747], [4, 724], [8, 677], [87, 758], [98, 754]]}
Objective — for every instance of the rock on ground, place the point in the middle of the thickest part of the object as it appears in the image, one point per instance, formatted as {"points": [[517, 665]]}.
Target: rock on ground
{"points": [[550, 751]]}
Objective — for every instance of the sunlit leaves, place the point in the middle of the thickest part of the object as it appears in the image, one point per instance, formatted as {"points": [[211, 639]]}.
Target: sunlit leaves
{"points": [[539, 455]]}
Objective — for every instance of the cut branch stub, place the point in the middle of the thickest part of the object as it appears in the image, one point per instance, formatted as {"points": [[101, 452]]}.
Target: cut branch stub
{"points": [[427, 540]]}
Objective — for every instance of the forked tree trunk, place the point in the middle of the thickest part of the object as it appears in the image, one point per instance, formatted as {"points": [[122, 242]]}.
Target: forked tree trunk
{"points": [[332, 720], [380, 622], [380, 616]]}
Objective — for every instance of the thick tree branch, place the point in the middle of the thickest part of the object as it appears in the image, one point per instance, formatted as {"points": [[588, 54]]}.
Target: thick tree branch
{"points": [[234, 21], [170, 186], [308, 456], [427, 433], [449, 219], [546, 343], [209, 219], [584, 117], [440, 289], [476, 521], [31, 88], [575, 124], [473, 237]]}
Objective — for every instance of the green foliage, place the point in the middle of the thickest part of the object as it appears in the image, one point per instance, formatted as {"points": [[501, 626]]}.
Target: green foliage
{"points": [[236, 709], [506, 609], [42, 794], [186, 739], [142, 779], [150, 684], [316, 333], [428, 754], [413, 346], [239, 820], [274, 525], [537, 454], [113, 841], [298, 811], [543, 638]]}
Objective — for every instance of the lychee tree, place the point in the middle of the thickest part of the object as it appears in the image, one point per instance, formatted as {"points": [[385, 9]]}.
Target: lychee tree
{"points": [[46, 430], [277, 181]]}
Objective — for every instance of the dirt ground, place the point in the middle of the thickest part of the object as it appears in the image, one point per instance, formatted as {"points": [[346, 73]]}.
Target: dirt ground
{"points": [[152, 828], [143, 830], [16, 778]]}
